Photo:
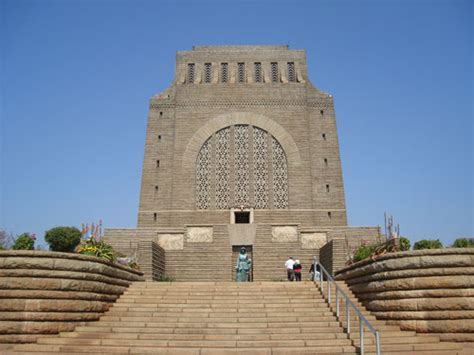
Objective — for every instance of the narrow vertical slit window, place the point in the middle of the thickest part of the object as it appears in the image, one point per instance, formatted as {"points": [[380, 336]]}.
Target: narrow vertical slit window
{"points": [[326, 161], [191, 68], [159, 137], [258, 72], [327, 187], [321, 112], [329, 215], [275, 73], [324, 136], [241, 72], [224, 72], [161, 113], [291, 72], [207, 72], [155, 216], [157, 163]]}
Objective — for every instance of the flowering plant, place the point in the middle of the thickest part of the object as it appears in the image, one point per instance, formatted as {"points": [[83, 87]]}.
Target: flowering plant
{"points": [[93, 244]]}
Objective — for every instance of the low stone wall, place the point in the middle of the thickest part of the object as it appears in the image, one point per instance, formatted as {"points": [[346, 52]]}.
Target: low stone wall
{"points": [[428, 291], [44, 292]]}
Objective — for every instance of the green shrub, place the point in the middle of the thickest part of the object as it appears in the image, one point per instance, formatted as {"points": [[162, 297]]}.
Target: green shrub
{"points": [[63, 238], [404, 244], [463, 243], [164, 278], [428, 244], [24, 242], [98, 248], [364, 251]]}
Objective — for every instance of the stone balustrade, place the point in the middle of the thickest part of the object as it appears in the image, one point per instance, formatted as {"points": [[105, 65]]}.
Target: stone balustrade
{"points": [[44, 292], [428, 291]]}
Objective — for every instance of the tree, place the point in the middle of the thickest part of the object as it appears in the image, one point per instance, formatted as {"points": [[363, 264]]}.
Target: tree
{"points": [[25, 241], [464, 243], [428, 244], [6, 240], [63, 238], [404, 244]]}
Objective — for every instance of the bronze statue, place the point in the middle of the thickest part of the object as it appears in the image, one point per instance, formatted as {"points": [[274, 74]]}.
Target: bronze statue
{"points": [[243, 266]]}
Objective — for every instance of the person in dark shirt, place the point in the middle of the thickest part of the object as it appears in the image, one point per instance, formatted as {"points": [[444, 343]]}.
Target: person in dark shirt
{"points": [[297, 270]]}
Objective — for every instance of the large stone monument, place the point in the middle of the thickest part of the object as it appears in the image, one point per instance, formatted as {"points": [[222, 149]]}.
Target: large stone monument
{"points": [[241, 150]]}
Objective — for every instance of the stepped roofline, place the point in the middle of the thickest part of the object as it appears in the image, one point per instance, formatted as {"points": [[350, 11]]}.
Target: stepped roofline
{"points": [[228, 48]]}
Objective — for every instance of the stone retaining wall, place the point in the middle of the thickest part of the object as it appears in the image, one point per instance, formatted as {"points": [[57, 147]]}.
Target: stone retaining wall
{"points": [[45, 292], [429, 291]]}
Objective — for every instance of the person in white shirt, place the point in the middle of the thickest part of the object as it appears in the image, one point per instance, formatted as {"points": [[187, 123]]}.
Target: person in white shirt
{"points": [[289, 269]]}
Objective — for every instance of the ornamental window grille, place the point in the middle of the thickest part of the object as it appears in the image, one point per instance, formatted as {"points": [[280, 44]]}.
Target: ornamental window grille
{"points": [[291, 72], [258, 72], [241, 72], [207, 72], [224, 72], [203, 176], [260, 170], [280, 172], [241, 165], [191, 67], [274, 71], [222, 169]]}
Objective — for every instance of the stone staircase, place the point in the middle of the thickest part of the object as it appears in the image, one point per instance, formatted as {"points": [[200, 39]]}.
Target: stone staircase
{"points": [[225, 318]]}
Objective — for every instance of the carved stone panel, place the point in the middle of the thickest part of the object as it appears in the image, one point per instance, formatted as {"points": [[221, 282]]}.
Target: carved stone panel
{"points": [[313, 240], [199, 235], [171, 241], [284, 234]]}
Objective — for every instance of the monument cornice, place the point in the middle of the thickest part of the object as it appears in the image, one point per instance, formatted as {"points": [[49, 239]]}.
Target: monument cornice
{"points": [[322, 104]]}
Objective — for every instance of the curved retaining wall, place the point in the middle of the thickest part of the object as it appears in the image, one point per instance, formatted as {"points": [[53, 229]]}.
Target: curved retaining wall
{"points": [[44, 292], [429, 291]]}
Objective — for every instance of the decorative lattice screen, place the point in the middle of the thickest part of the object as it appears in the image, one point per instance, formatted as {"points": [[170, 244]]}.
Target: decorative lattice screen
{"points": [[241, 165]]}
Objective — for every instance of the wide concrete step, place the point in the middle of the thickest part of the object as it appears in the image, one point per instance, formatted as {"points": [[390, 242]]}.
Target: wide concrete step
{"points": [[223, 297], [195, 330], [227, 319], [225, 343], [203, 336], [209, 324], [248, 314], [81, 349], [199, 302], [222, 308]]}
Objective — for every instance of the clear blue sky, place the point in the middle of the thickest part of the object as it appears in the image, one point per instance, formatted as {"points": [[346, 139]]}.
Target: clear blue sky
{"points": [[76, 76]]}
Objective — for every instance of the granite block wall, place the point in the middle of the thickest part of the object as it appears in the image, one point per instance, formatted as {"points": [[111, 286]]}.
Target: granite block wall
{"points": [[48, 292], [428, 291]]}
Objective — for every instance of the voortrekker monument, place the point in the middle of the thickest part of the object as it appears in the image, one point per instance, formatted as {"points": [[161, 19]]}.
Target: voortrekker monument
{"points": [[241, 151], [241, 163]]}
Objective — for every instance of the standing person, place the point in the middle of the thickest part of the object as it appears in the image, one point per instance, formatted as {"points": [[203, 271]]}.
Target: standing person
{"points": [[314, 273], [297, 270], [289, 269]]}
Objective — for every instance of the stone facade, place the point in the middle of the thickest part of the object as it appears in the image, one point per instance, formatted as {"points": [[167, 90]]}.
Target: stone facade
{"points": [[241, 133]]}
